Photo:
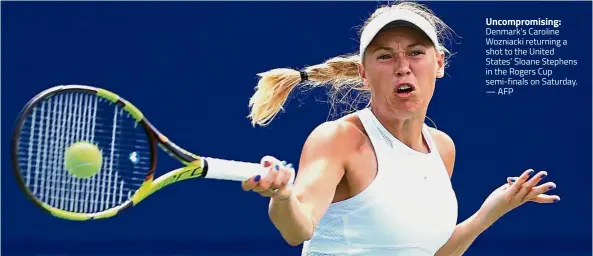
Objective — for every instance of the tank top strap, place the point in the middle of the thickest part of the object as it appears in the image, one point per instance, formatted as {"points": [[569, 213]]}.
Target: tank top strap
{"points": [[430, 141], [372, 127]]}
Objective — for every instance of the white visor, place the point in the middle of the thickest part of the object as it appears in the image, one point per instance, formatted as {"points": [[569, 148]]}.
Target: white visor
{"points": [[392, 18]]}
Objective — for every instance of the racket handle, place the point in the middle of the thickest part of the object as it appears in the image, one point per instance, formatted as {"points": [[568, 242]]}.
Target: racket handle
{"points": [[235, 170]]}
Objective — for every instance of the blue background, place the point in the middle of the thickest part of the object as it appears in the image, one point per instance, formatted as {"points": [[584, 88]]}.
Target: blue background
{"points": [[191, 68]]}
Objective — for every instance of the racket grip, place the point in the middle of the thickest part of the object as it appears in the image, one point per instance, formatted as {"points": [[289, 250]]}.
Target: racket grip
{"points": [[223, 169]]}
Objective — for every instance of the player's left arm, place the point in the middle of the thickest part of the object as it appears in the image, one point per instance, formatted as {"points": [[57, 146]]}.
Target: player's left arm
{"points": [[501, 201]]}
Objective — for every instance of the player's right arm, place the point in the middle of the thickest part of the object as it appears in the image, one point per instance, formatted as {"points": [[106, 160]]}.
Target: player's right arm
{"points": [[296, 210]]}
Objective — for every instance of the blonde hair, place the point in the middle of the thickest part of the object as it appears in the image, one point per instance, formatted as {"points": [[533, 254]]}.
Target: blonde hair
{"points": [[339, 73]]}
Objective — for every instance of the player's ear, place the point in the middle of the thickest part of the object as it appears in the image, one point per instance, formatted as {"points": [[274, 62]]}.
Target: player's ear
{"points": [[363, 76], [440, 64]]}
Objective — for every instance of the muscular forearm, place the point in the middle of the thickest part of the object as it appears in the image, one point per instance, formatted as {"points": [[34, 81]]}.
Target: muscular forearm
{"points": [[292, 219], [464, 235]]}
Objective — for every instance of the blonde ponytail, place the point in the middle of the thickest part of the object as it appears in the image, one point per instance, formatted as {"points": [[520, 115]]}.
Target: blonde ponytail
{"points": [[275, 86]]}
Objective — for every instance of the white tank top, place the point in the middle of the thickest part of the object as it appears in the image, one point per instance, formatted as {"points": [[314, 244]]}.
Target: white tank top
{"points": [[409, 209]]}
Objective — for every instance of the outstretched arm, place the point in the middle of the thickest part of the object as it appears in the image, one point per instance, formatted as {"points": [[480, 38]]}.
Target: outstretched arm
{"points": [[504, 199]]}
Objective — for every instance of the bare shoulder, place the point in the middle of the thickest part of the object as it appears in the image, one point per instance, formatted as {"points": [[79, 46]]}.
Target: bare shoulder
{"points": [[323, 162], [446, 147], [442, 138], [340, 135]]}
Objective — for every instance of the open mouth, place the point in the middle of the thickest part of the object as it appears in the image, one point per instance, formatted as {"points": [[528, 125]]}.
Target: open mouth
{"points": [[404, 89]]}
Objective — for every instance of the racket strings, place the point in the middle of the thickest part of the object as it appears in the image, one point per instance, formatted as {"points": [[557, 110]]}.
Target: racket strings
{"points": [[124, 134], [64, 119]]}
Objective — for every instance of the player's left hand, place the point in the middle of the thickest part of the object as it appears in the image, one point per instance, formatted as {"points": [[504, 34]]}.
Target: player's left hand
{"points": [[515, 193]]}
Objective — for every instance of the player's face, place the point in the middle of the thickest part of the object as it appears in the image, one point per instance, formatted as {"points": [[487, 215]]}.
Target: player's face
{"points": [[401, 67]]}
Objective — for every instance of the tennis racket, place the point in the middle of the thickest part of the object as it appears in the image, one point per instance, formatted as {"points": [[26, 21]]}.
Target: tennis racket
{"points": [[63, 115]]}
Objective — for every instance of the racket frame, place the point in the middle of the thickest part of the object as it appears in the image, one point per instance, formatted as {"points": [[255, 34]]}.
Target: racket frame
{"points": [[195, 166]]}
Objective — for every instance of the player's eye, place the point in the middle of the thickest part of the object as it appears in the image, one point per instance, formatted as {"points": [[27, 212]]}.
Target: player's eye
{"points": [[416, 52], [384, 57]]}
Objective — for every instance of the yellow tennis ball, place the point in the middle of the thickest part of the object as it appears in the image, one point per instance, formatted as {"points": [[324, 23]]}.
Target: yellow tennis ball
{"points": [[83, 159]]}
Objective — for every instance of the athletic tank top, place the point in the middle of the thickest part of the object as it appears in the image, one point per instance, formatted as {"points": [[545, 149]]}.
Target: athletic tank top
{"points": [[409, 209]]}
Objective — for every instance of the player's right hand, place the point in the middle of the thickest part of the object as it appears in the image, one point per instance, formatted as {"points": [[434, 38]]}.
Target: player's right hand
{"points": [[276, 183]]}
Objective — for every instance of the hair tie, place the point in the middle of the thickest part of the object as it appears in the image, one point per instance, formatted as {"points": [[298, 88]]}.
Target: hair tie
{"points": [[304, 76]]}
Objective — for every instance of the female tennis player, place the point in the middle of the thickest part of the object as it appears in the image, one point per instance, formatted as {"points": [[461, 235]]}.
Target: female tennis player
{"points": [[377, 181]]}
